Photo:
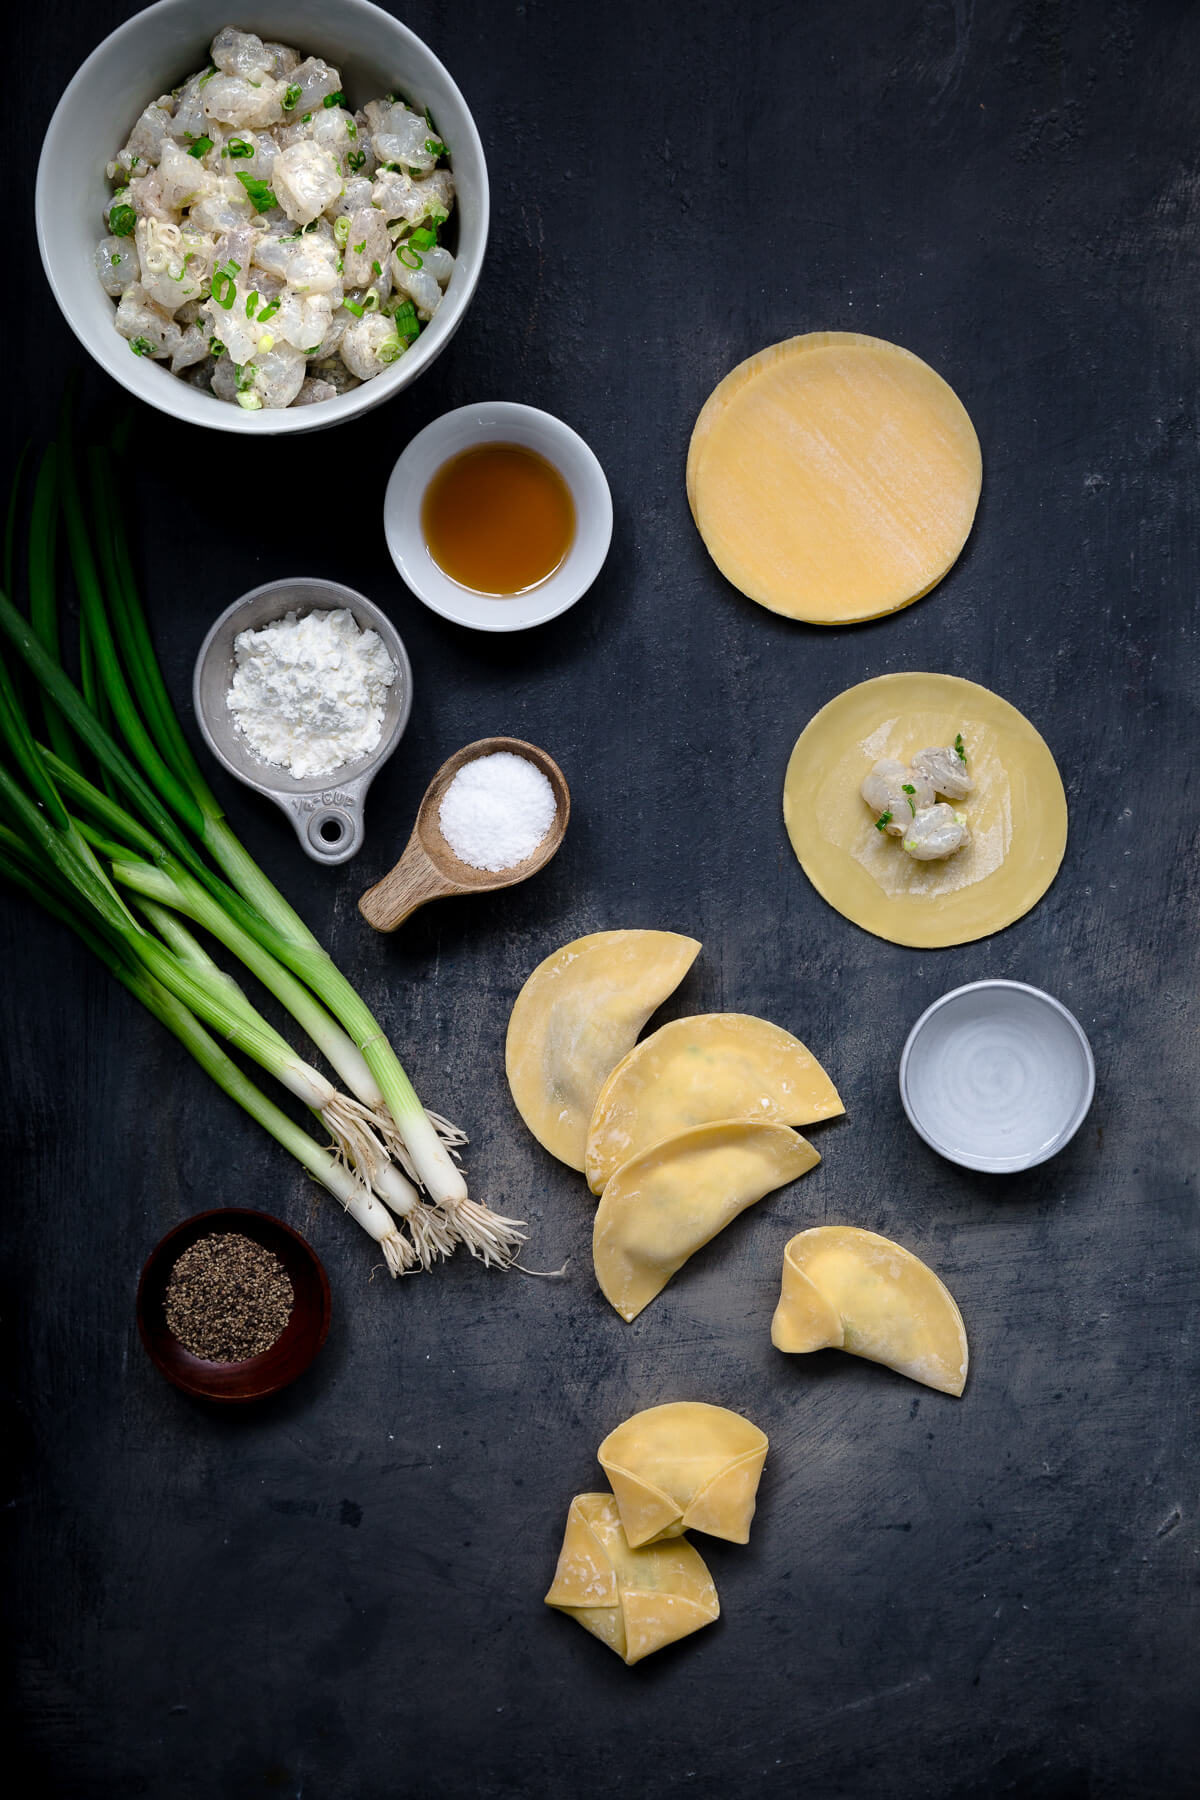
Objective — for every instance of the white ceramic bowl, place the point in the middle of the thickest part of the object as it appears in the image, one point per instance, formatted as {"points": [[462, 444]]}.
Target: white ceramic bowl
{"points": [[997, 1076], [494, 422], [153, 52]]}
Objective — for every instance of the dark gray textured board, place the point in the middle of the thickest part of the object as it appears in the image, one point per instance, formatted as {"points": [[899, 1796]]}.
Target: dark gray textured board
{"points": [[338, 1595]]}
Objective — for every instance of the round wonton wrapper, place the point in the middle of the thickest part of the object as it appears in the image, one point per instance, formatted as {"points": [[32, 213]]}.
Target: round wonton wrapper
{"points": [[834, 477], [1017, 813]]}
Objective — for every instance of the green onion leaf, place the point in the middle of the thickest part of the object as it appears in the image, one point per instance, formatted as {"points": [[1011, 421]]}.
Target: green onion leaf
{"points": [[251, 303], [352, 306], [141, 346], [291, 95], [356, 159], [121, 221], [351, 129], [238, 147], [200, 147], [376, 268], [268, 312], [883, 821], [207, 75], [960, 748], [215, 347], [359, 248], [435, 147], [390, 350], [906, 787], [422, 239], [337, 99], [224, 288], [262, 195], [408, 256]]}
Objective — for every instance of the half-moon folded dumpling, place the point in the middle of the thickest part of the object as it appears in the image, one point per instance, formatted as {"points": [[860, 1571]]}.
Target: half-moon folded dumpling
{"points": [[661, 1206], [692, 1071], [576, 1017], [845, 1289], [635, 1601], [686, 1466]]}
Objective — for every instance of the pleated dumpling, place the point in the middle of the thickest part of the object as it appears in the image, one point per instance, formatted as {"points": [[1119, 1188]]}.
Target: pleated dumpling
{"points": [[846, 1289], [661, 1206], [686, 1466], [576, 1017], [692, 1071], [635, 1601]]}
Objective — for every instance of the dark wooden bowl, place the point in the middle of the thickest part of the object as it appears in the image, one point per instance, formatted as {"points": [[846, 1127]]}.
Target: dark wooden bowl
{"points": [[288, 1356]]}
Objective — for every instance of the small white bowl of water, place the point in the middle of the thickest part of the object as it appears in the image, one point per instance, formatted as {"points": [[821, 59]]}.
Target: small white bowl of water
{"points": [[997, 1076]]}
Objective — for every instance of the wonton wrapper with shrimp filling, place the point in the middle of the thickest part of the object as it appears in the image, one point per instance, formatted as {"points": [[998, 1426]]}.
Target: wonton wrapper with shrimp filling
{"points": [[662, 1206], [693, 1071], [1017, 812], [576, 1017], [846, 1289], [635, 1601], [686, 1466]]}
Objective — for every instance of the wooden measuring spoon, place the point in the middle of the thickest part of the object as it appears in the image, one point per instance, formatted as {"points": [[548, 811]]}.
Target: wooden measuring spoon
{"points": [[429, 869]]}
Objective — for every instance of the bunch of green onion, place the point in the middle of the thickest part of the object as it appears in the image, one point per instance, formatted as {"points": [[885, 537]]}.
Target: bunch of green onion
{"points": [[113, 830]]}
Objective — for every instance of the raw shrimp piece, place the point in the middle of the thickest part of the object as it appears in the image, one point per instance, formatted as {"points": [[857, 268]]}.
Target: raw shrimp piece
{"points": [[116, 264], [278, 375], [315, 79], [367, 248], [334, 131], [439, 263], [398, 196], [238, 329], [354, 196], [191, 348], [335, 374], [233, 101], [225, 208], [936, 832], [145, 143], [400, 135], [303, 320], [306, 179], [145, 195], [241, 53], [175, 266], [884, 792], [945, 768], [200, 374], [182, 179], [419, 285], [371, 345], [311, 391], [225, 379], [283, 59], [189, 121], [138, 319]]}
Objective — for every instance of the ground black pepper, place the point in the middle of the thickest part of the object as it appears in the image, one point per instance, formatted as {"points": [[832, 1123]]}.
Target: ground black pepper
{"points": [[227, 1298]]}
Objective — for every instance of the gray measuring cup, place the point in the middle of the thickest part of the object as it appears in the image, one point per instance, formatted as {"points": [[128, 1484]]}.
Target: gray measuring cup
{"points": [[326, 810]]}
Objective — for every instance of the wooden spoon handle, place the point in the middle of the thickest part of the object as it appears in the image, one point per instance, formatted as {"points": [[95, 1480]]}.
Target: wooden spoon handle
{"points": [[412, 882]]}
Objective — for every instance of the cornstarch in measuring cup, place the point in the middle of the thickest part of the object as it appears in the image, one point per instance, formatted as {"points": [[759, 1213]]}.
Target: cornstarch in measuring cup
{"points": [[308, 693], [496, 811]]}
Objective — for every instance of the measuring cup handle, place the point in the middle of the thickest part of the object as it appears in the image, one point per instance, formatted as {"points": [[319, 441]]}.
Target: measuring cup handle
{"points": [[329, 824]]}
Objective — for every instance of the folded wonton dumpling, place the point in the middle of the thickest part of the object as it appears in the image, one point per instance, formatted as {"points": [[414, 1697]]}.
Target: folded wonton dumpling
{"points": [[691, 1071], [635, 1601], [576, 1017], [683, 1467], [846, 1289], [661, 1206]]}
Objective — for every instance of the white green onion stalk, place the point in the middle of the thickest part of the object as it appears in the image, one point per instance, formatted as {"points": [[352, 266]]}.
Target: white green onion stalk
{"points": [[322, 1164], [162, 790]]}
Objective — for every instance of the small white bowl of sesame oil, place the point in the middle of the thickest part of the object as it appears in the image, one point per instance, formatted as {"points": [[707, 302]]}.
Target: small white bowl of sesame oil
{"points": [[498, 516]]}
